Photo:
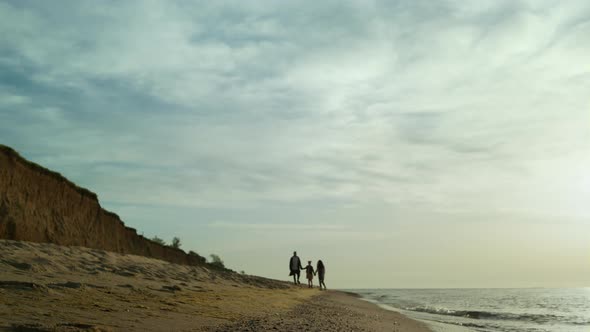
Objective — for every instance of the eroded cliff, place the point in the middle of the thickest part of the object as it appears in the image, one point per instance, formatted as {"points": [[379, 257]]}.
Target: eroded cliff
{"points": [[39, 205]]}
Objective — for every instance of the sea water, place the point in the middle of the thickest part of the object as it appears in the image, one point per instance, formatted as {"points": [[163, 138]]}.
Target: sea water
{"points": [[491, 310]]}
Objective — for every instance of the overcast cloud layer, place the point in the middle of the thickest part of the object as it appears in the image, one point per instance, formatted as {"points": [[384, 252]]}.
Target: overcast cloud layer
{"points": [[406, 143]]}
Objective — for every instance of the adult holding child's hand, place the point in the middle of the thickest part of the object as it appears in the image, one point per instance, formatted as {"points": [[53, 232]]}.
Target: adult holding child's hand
{"points": [[295, 268]]}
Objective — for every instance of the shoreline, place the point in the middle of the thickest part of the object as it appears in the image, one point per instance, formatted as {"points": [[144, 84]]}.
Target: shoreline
{"points": [[433, 326], [332, 310]]}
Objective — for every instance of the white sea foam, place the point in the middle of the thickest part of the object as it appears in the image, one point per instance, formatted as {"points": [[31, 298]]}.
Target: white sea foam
{"points": [[494, 310], [434, 326]]}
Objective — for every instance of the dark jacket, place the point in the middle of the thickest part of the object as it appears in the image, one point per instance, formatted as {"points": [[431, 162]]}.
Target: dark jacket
{"points": [[295, 265]]}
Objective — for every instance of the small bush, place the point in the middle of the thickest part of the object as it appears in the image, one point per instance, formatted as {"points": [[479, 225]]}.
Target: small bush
{"points": [[158, 240], [216, 261], [176, 243]]}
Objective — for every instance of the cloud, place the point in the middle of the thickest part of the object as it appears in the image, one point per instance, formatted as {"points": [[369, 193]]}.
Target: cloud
{"points": [[377, 106], [275, 226]]}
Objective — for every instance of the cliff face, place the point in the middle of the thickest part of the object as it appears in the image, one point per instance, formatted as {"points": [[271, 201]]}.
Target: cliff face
{"points": [[39, 205]]}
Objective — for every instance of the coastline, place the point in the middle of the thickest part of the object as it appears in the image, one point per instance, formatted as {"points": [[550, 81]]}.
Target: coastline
{"points": [[489, 309], [332, 311], [46, 287], [431, 325]]}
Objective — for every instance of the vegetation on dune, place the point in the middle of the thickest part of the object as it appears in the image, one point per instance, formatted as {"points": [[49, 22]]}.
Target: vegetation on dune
{"points": [[40, 169], [176, 243], [216, 261], [159, 241]]}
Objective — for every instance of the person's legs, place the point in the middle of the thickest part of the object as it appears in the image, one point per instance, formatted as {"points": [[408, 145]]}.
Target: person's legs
{"points": [[322, 283], [298, 275], [294, 277]]}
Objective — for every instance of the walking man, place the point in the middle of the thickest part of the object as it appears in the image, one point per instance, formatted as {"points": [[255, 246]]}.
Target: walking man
{"points": [[295, 267]]}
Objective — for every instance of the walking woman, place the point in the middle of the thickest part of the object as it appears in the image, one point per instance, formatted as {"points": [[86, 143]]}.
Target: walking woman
{"points": [[321, 271]]}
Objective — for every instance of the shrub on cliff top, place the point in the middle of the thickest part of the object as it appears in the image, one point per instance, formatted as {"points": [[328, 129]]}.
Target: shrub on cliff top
{"points": [[159, 241], [216, 261], [176, 243]]}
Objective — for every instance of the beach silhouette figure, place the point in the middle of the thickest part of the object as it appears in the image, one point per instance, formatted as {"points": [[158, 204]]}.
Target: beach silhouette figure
{"points": [[309, 273], [321, 272], [295, 268]]}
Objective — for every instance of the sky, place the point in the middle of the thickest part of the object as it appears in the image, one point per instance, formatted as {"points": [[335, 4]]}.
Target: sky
{"points": [[405, 143]]}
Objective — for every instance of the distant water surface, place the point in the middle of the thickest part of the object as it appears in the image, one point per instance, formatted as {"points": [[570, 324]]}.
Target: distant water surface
{"points": [[491, 310]]}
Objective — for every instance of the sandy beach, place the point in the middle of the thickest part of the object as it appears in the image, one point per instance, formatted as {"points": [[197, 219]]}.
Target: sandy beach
{"points": [[46, 287], [331, 311]]}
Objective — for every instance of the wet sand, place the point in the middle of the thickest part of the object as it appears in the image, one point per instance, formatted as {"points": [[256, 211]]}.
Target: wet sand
{"points": [[45, 287], [331, 311]]}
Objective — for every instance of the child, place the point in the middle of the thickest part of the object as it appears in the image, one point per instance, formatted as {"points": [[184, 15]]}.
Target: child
{"points": [[309, 273], [321, 271]]}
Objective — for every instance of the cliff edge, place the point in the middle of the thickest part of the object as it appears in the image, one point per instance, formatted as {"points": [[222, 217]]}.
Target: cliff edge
{"points": [[39, 205]]}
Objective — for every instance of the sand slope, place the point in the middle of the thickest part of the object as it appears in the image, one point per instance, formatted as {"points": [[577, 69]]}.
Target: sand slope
{"points": [[46, 287], [68, 288]]}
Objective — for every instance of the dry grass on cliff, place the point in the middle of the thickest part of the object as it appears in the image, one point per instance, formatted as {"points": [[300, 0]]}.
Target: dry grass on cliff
{"points": [[16, 157]]}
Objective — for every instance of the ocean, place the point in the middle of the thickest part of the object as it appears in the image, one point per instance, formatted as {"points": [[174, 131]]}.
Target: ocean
{"points": [[490, 310]]}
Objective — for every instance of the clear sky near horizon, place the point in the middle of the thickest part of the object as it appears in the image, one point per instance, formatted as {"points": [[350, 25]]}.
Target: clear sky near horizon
{"points": [[405, 143]]}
